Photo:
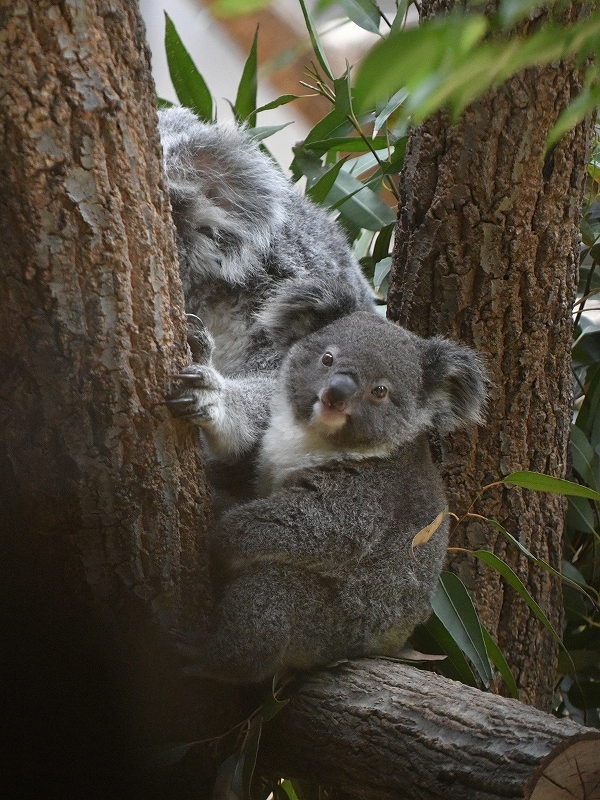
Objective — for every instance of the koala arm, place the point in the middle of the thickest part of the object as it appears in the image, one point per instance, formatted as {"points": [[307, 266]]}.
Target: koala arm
{"points": [[231, 411], [307, 524]]}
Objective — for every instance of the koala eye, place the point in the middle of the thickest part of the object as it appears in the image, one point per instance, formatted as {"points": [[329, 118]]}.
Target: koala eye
{"points": [[327, 359], [379, 392]]}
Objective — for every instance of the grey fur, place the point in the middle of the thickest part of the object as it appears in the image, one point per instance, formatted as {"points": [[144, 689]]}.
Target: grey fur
{"points": [[322, 567], [249, 245]]}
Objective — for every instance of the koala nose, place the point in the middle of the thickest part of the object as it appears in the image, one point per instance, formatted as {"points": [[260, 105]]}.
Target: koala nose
{"points": [[340, 388]]}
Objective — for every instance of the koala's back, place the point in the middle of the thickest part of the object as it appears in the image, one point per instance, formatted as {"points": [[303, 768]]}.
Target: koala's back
{"points": [[246, 238]]}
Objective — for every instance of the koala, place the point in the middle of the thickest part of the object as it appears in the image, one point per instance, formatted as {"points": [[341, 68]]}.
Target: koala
{"points": [[250, 247], [321, 566]]}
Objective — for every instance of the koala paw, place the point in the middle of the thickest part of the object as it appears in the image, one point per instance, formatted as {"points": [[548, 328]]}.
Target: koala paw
{"points": [[200, 394]]}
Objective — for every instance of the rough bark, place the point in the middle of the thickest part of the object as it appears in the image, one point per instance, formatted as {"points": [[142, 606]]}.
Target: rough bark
{"points": [[377, 730], [104, 505], [487, 252]]}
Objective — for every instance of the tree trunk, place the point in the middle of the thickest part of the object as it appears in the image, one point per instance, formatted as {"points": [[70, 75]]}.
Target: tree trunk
{"points": [[487, 252], [380, 731], [103, 500]]}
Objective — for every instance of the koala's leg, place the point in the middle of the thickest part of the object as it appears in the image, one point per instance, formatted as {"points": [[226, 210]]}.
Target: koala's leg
{"points": [[250, 633], [231, 411]]}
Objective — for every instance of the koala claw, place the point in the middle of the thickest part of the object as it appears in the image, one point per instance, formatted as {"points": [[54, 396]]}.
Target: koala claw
{"points": [[192, 408], [200, 342]]}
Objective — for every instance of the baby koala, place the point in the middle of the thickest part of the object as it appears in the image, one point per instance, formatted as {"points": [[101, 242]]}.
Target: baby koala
{"points": [[322, 567]]}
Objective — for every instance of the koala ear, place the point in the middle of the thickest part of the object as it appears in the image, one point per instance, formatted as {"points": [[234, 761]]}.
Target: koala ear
{"points": [[455, 384], [304, 306]]}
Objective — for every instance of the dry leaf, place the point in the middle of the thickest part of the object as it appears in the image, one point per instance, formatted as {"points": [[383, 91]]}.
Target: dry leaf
{"points": [[425, 534]]}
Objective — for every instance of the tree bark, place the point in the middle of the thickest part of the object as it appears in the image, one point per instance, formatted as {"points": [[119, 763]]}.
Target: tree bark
{"points": [[487, 252], [377, 730], [103, 500]]}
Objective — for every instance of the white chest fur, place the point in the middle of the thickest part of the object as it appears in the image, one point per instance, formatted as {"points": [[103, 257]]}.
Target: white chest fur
{"points": [[289, 445]]}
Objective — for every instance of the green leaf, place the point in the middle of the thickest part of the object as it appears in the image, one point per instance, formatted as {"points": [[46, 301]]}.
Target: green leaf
{"points": [[589, 413], [343, 98], [511, 578], [582, 455], [497, 658], [358, 204], [249, 755], [511, 11], [315, 41], [244, 107], [381, 248], [363, 13], [413, 56], [580, 516], [319, 191], [585, 103], [400, 18], [282, 100], [392, 105], [264, 131], [236, 8], [333, 126], [190, 87], [544, 483], [454, 608], [436, 629], [382, 270], [345, 144], [539, 562]]}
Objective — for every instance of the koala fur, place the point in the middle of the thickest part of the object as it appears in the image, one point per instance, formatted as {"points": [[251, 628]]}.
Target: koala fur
{"points": [[321, 567], [249, 246]]}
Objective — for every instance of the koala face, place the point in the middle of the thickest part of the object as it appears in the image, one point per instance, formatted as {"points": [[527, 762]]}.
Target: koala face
{"points": [[365, 381], [357, 382]]}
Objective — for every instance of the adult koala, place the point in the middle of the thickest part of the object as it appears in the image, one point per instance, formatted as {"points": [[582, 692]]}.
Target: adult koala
{"points": [[323, 567], [249, 247]]}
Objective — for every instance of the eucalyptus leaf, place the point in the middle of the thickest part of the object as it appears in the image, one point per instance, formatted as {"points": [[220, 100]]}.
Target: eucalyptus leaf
{"points": [[320, 190], [444, 639], [580, 516], [497, 658], [539, 562], [282, 100], [244, 107], [454, 608], [585, 103], [392, 105], [363, 13], [236, 8], [358, 204], [345, 144], [315, 41], [545, 483], [585, 460], [512, 578], [190, 87], [264, 131]]}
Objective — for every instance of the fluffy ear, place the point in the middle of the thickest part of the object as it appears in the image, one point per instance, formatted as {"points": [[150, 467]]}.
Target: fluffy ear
{"points": [[455, 384], [305, 305]]}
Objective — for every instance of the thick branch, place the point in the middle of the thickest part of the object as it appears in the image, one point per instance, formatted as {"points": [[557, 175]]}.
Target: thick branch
{"points": [[380, 731]]}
